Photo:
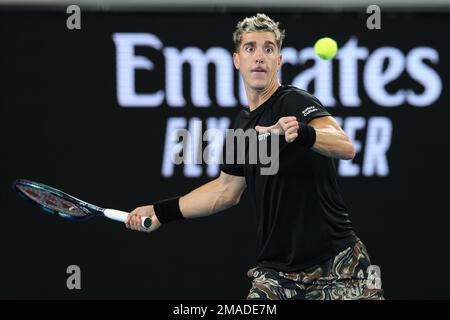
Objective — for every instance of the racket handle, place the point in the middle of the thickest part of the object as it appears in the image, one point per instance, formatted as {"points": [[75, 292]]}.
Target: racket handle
{"points": [[122, 216]]}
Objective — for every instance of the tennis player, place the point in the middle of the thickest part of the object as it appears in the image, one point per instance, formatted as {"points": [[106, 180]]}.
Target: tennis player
{"points": [[308, 248]]}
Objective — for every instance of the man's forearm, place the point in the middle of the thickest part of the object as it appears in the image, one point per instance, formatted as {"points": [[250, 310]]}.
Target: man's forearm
{"points": [[333, 143], [210, 198]]}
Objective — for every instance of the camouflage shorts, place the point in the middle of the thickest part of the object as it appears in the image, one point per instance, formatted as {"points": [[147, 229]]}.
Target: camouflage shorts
{"points": [[347, 276]]}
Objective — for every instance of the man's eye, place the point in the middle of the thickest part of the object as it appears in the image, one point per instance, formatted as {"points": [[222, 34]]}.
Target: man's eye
{"points": [[249, 49], [269, 50]]}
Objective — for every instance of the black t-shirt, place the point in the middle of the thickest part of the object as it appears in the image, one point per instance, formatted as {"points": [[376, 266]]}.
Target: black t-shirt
{"points": [[302, 219]]}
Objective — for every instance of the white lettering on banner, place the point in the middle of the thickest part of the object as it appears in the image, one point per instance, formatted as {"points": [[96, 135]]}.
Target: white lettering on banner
{"points": [[373, 160], [171, 146], [192, 160], [377, 144], [348, 57], [192, 168], [379, 135], [352, 124], [127, 63], [380, 68], [199, 76], [427, 77], [321, 73], [375, 76], [378, 78]]}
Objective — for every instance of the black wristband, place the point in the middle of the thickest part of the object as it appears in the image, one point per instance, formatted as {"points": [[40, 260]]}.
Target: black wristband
{"points": [[306, 135], [168, 210]]}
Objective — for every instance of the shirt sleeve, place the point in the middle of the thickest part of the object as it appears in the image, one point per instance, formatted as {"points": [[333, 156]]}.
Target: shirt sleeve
{"points": [[233, 169], [304, 106]]}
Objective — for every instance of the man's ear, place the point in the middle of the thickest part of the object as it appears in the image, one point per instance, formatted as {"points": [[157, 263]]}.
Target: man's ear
{"points": [[236, 60], [280, 59]]}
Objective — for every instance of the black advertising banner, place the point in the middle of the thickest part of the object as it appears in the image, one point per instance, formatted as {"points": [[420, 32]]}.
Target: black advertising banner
{"points": [[93, 111]]}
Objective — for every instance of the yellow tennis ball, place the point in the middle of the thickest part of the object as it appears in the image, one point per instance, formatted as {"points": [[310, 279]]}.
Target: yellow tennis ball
{"points": [[326, 48]]}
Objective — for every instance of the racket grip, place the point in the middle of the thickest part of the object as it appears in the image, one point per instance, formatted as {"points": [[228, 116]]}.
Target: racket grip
{"points": [[122, 216]]}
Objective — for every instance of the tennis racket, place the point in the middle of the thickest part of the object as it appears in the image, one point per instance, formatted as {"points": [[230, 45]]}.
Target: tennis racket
{"points": [[57, 202]]}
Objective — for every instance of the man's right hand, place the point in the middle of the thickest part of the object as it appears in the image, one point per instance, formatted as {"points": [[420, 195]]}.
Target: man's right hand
{"points": [[287, 126], [134, 219]]}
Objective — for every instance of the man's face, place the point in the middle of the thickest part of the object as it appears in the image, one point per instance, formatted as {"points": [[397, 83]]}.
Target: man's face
{"points": [[258, 59]]}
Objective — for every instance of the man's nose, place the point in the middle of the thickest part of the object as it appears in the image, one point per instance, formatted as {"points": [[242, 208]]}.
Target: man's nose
{"points": [[259, 56]]}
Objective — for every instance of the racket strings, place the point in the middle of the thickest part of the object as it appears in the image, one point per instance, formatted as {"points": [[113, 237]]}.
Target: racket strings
{"points": [[53, 202]]}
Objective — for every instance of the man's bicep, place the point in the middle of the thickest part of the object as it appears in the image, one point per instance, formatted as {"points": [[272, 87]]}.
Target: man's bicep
{"points": [[325, 122]]}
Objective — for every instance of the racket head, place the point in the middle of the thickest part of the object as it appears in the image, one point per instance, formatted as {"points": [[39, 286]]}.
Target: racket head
{"points": [[55, 201]]}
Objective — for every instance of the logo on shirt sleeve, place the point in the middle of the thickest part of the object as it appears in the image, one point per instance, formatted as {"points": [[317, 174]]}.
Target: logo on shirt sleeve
{"points": [[309, 110]]}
